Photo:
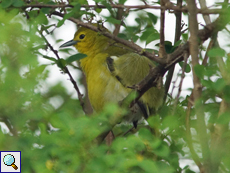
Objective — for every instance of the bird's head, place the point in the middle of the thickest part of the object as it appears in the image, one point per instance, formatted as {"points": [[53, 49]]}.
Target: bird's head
{"points": [[85, 40]]}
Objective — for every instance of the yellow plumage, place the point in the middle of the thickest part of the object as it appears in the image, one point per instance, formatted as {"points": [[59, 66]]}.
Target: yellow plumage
{"points": [[110, 67]]}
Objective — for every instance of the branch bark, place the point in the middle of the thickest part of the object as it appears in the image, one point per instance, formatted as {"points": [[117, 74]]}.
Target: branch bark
{"points": [[197, 91]]}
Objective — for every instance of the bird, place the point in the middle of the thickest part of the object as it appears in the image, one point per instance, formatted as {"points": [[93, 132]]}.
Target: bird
{"points": [[111, 68]]}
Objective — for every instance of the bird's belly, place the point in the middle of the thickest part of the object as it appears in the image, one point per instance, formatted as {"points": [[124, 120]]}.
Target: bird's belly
{"points": [[103, 88]]}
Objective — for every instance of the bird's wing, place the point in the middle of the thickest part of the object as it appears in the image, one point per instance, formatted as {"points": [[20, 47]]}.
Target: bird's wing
{"points": [[130, 69]]}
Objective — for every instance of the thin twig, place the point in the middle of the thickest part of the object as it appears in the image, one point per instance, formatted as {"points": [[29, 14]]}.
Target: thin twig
{"points": [[174, 82], [177, 38], [162, 28], [186, 55], [210, 45], [128, 131]]}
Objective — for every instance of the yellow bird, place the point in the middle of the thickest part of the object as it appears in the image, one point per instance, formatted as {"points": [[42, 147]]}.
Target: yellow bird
{"points": [[110, 68]]}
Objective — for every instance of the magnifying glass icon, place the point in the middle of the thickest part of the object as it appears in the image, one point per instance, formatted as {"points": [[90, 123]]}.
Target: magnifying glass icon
{"points": [[9, 160]]}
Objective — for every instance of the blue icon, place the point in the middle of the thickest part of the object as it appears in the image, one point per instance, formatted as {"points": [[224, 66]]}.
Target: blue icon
{"points": [[9, 160]]}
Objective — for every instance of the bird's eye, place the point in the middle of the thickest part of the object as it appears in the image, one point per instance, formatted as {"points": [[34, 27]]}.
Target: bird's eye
{"points": [[82, 36]]}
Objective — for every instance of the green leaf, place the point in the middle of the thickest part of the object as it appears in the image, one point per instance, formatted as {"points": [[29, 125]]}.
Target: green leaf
{"points": [[224, 118], [61, 63], [42, 19], [165, 167], [49, 58], [154, 121], [18, 3], [98, 10], [148, 166], [219, 84], [59, 40], [6, 3], [123, 36], [75, 57], [148, 31], [61, 22], [48, 26], [168, 43], [185, 36], [68, 15], [152, 17], [113, 20], [207, 83], [177, 43], [138, 20], [226, 92], [135, 38], [145, 134], [74, 12], [200, 71], [152, 37], [122, 1], [216, 52], [99, 1], [187, 68], [162, 150], [170, 122], [168, 47], [51, 3], [45, 10]]}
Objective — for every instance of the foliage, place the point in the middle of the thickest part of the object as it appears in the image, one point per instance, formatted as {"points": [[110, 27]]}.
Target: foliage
{"points": [[50, 127]]}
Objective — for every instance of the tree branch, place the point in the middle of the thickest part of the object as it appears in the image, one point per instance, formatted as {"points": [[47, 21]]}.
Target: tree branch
{"points": [[139, 7], [197, 91]]}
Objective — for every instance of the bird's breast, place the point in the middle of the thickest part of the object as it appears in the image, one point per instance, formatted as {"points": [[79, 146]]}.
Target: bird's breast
{"points": [[103, 87]]}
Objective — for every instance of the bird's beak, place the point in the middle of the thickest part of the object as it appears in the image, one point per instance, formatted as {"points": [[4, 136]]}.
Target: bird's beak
{"points": [[69, 43]]}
